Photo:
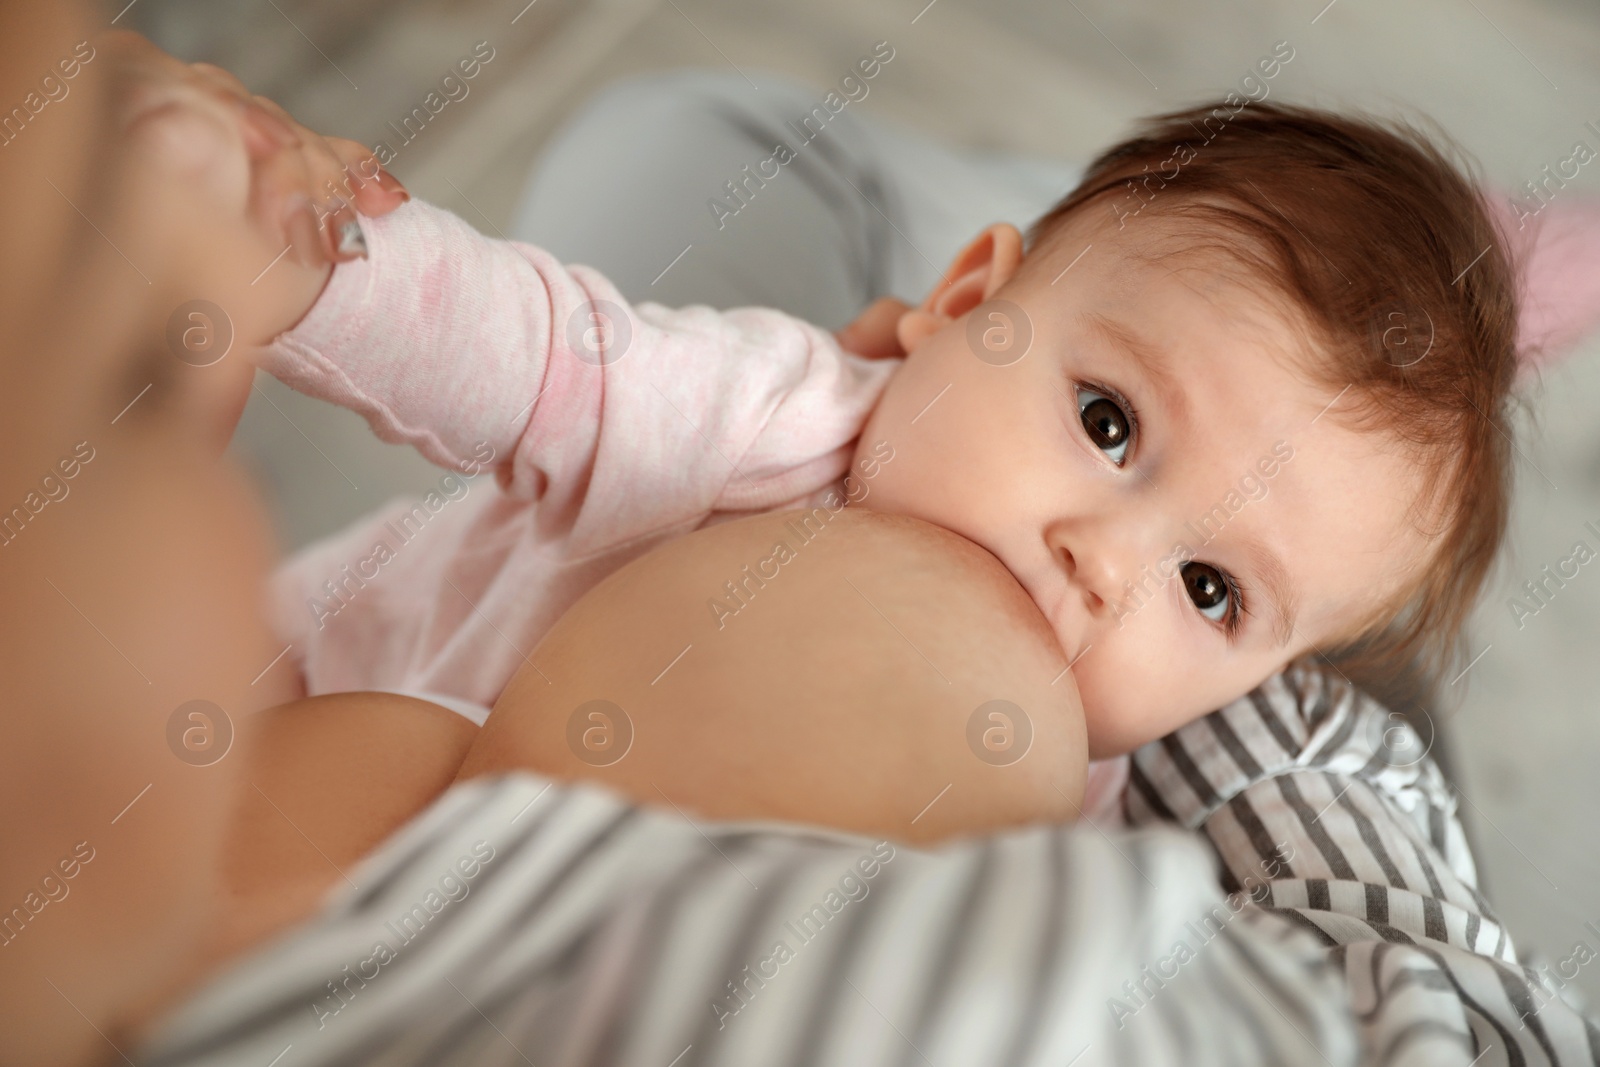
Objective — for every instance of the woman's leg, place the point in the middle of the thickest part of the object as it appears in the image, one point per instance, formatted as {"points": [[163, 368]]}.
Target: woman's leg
{"points": [[674, 186]]}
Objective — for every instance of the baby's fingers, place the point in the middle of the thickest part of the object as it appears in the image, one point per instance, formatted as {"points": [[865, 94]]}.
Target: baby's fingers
{"points": [[220, 79], [281, 198], [338, 169], [874, 333], [304, 190], [374, 190]]}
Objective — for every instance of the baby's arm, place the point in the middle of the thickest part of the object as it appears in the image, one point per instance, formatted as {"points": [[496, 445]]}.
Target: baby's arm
{"points": [[480, 351], [616, 420]]}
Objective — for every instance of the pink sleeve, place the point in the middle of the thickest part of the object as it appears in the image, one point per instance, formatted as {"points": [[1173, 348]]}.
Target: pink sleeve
{"points": [[616, 421]]}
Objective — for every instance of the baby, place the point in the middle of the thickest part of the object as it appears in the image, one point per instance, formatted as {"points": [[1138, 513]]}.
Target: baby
{"points": [[1239, 398]]}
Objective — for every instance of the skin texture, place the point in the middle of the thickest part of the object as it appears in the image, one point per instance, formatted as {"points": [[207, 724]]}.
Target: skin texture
{"points": [[1000, 455], [137, 589], [328, 778], [840, 693]]}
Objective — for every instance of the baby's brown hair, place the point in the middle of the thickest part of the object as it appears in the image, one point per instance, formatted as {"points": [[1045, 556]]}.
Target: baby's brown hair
{"points": [[1380, 243]]}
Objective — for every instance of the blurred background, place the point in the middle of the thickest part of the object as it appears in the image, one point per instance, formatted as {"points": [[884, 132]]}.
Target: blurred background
{"points": [[1513, 81]]}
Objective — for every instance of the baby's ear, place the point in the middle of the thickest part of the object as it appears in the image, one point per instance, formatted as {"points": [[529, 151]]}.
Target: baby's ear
{"points": [[977, 273]]}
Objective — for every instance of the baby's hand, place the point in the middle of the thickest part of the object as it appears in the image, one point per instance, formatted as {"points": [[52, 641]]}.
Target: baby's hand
{"points": [[307, 190], [273, 200], [310, 186], [228, 206], [874, 333]]}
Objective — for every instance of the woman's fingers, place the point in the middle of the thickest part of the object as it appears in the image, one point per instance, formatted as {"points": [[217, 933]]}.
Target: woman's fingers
{"points": [[192, 145], [312, 186]]}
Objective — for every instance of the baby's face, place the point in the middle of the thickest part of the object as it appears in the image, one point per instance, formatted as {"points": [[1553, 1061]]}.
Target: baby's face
{"points": [[1186, 509]]}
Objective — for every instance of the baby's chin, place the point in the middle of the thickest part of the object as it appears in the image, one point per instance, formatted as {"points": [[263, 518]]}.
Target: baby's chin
{"points": [[1131, 697], [863, 671], [1106, 732]]}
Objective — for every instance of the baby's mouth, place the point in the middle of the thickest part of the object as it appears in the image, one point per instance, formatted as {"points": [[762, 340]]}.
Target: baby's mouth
{"points": [[1056, 607]]}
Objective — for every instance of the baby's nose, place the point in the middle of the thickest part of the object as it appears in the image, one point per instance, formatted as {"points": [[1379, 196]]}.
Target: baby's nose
{"points": [[1100, 561], [1088, 579]]}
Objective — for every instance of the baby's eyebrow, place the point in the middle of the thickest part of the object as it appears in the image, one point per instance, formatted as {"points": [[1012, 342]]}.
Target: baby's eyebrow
{"points": [[1274, 579], [1155, 361]]}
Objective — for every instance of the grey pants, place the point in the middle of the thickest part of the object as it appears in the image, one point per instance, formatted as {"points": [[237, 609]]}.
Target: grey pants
{"points": [[673, 186]]}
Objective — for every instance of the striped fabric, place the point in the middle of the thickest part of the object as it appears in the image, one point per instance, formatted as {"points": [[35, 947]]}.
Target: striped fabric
{"points": [[518, 922], [1377, 869], [522, 922]]}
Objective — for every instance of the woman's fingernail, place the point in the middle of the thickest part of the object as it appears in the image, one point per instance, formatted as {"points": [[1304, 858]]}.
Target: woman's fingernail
{"points": [[390, 184]]}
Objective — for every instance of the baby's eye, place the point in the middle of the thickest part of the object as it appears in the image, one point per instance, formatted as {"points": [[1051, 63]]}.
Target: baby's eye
{"points": [[1210, 591], [1108, 422]]}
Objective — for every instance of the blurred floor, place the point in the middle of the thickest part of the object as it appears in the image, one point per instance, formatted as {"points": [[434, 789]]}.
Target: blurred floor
{"points": [[1513, 82]]}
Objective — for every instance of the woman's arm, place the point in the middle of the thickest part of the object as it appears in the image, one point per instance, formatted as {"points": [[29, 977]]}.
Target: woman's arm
{"points": [[326, 780], [119, 204]]}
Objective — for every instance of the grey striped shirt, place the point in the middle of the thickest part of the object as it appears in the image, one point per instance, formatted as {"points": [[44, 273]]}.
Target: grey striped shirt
{"points": [[522, 922], [1381, 874]]}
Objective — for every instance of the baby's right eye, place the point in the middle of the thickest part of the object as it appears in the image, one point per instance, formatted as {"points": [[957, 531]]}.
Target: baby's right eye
{"points": [[1215, 594], [1208, 590], [1109, 423]]}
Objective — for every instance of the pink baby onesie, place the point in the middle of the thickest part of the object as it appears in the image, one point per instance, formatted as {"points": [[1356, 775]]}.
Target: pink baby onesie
{"points": [[610, 429]]}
